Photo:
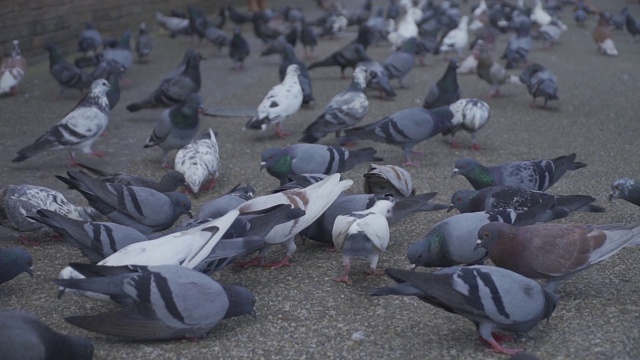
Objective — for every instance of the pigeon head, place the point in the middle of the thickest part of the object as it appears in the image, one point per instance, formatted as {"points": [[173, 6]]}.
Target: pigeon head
{"points": [[100, 87], [241, 301], [172, 180], [420, 252], [13, 262], [384, 206], [293, 69], [465, 166], [490, 234], [361, 76], [461, 200], [181, 203], [621, 188], [277, 162]]}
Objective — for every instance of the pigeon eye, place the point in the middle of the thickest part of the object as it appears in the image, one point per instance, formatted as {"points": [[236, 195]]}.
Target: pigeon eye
{"points": [[617, 187], [486, 234]]}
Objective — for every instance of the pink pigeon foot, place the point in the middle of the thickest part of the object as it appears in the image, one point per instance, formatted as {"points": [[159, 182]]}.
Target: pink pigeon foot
{"points": [[373, 272], [278, 264], [256, 261], [211, 184], [454, 144], [344, 279], [331, 249], [411, 163], [99, 154], [475, 147], [27, 242], [281, 132], [417, 153], [496, 347]]}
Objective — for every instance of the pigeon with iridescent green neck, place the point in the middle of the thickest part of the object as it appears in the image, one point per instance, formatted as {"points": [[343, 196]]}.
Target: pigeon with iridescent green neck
{"points": [[626, 189]]}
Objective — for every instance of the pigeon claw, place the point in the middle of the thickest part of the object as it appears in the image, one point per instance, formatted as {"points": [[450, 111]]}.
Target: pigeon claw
{"points": [[278, 264], [99, 154], [256, 261], [497, 348], [475, 147], [343, 279]]}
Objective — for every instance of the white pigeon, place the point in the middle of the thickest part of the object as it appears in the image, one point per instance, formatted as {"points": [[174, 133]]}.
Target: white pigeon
{"points": [[539, 16], [363, 233], [197, 160], [171, 23], [186, 248], [456, 39], [482, 7], [282, 101], [471, 115], [608, 47], [79, 129], [407, 27], [12, 70], [314, 200], [468, 65]]}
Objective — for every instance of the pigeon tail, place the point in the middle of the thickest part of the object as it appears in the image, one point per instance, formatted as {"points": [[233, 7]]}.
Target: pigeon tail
{"points": [[360, 156]]}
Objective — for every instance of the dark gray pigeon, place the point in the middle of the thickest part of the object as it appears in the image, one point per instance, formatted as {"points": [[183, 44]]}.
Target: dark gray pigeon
{"points": [[90, 39], [344, 110], [66, 74], [519, 45], [406, 128], [170, 181], [221, 205], [300, 159], [626, 189], [144, 43], [143, 209], [533, 175], [96, 240], [23, 336], [145, 315], [308, 38], [217, 37], [13, 262], [238, 49], [540, 83], [491, 297], [174, 90], [400, 62], [348, 55], [122, 51], [238, 17], [517, 198], [446, 91], [177, 127]]}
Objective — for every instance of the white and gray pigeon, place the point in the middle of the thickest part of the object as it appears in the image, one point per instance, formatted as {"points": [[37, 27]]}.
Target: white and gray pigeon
{"points": [[172, 309], [388, 179], [78, 129], [12, 70], [456, 39], [13, 262], [144, 43], [400, 62], [221, 205], [492, 298], [282, 101], [24, 336], [540, 83], [363, 234], [143, 209], [199, 160], [472, 115], [532, 175], [19, 201], [90, 39], [96, 240], [122, 51], [314, 200], [378, 78], [626, 189], [177, 127], [344, 110]]}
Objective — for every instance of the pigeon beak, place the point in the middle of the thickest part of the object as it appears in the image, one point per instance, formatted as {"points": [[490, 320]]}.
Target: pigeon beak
{"points": [[61, 291], [478, 245], [190, 214], [263, 165], [455, 172], [30, 272], [451, 207]]}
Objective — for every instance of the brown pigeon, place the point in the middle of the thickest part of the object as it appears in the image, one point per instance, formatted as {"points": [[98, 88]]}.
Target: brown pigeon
{"points": [[492, 72], [602, 35]]}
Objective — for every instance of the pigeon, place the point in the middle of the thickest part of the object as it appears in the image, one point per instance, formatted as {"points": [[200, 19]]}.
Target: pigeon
{"points": [[539, 15], [78, 129], [217, 37], [198, 22], [344, 110], [393, 10], [238, 49], [314, 200], [24, 336], [143, 209], [540, 82], [491, 297], [112, 71], [308, 39], [580, 16], [363, 233], [298, 159], [172, 309], [550, 33], [452, 241], [219, 206], [517, 198], [626, 189], [472, 115], [144, 43], [96, 240], [288, 57], [348, 55], [553, 252], [13, 262], [360, 14], [406, 27], [238, 17], [518, 46], [300, 182], [603, 36], [456, 39], [377, 79], [532, 175], [400, 62], [198, 160], [177, 127], [175, 25], [170, 181], [282, 101], [12, 70], [261, 27], [66, 74], [631, 24], [334, 23], [446, 91], [90, 39], [122, 51], [388, 179], [492, 72], [406, 128], [174, 90]]}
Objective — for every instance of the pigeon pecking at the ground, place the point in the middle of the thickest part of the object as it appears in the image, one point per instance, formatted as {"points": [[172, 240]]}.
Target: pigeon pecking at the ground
{"points": [[177, 127], [199, 160], [78, 129], [626, 189], [349, 55], [13, 262], [282, 101], [533, 175], [170, 181], [492, 298], [540, 83]]}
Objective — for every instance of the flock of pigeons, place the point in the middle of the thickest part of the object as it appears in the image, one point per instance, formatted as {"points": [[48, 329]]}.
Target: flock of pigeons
{"points": [[158, 274]]}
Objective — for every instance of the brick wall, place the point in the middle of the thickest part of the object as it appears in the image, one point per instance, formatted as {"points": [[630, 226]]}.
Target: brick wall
{"points": [[36, 22]]}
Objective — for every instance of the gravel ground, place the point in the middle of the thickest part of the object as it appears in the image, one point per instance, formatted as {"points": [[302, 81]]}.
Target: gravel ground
{"points": [[301, 312]]}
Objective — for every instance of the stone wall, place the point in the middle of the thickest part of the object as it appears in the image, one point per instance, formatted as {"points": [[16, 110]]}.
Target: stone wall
{"points": [[36, 22]]}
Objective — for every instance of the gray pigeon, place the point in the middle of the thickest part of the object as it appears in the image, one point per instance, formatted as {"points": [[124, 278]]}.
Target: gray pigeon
{"points": [[388, 179], [446, 91], [221, 205], [78, 129], [96, 240], [23, 336], [90, 39], [122, 51], [626, 189], [144, 43], [347, 56], [491, 297], [143, 209], [66, 74], [170, 181], [400, 62], [238, 49], [491, 71], [540, 83], [173, 310], [177, 127], [378, 78], [13, 262], [406, 128], [519, 45], [300, 159], [176, 89], [217, 37], [344, 110], [536, 175], [308, 38]]}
